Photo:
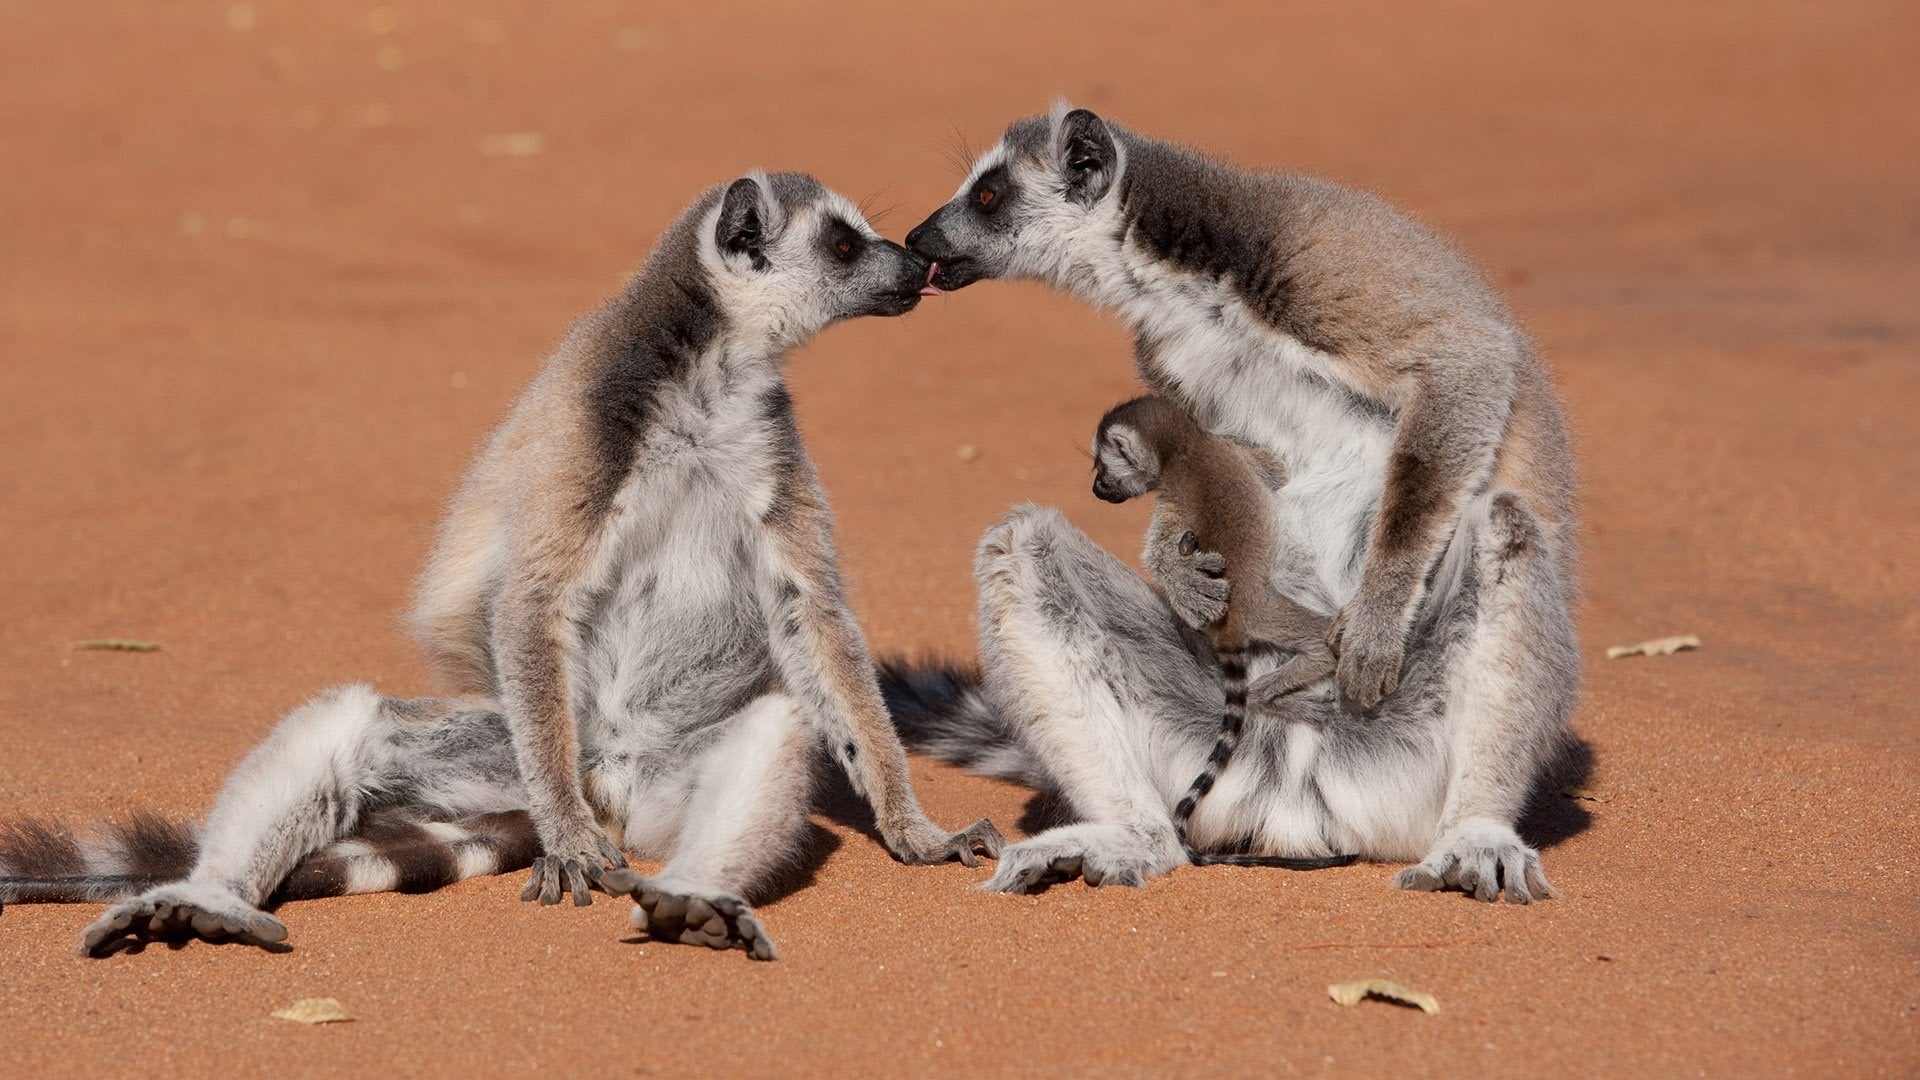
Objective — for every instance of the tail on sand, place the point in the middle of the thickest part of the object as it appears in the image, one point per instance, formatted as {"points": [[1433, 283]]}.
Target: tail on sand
{"points": [[940, 710], [41, 863]]}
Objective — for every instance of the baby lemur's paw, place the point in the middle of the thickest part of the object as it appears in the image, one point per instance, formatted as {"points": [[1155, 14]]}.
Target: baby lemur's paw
{"points": [[1269, 693], [1368, 648], [574, 867], [925, 844], [1193, 580], [181, 910], [691, 915], [1483, 859]]}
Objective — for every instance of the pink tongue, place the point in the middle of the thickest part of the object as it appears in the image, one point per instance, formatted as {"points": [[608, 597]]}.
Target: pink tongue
{"points": [[930, 289]]}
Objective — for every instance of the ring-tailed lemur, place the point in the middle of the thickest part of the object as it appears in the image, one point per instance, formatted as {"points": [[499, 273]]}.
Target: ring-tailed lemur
{"points": [[1217, 493], [1430, 498], [636, 587]]}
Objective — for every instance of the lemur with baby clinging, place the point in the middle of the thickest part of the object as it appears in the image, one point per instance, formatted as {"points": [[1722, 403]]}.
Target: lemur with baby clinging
{"points": [[1428, 509], [634, 596], [1214, 492]]}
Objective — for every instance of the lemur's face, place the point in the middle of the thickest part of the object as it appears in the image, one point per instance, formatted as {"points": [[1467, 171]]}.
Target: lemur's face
{"points": [[790, 253], [1125, 465], [1030, 200]]}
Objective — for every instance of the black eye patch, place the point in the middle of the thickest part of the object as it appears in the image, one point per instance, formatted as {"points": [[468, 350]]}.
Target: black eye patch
{"points": [[844, 242], [992, 190]]}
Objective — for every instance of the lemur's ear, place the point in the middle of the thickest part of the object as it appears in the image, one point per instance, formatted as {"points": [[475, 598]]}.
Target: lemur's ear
{"points": [[741, 230], [1089, 157]]}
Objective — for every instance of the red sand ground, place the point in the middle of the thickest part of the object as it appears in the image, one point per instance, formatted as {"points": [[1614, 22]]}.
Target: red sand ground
{"points": [[262, 291]]}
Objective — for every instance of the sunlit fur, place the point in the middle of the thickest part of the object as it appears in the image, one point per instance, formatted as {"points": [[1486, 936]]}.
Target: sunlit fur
{"points": [[1329, 329]]}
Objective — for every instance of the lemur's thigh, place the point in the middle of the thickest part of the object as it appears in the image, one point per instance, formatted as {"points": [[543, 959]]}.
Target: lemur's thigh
{"points": [[737, 811], [310, 783], [749, 802], [1082, 655], [1513, 681]]}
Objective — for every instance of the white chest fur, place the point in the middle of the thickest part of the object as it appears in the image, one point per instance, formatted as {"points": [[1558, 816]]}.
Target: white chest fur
{"points": [[1249, 382], [674, 583]]}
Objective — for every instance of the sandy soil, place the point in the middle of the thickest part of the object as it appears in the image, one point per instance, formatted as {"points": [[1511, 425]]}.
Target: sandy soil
{"points": [[265, 282]]}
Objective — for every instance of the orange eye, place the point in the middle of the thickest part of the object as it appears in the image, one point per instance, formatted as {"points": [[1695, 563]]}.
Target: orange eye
{"points": [[985, 195], [843, 247]]}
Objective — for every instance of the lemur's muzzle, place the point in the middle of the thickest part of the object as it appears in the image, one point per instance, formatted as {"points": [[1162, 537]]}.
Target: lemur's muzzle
{"points": [[951, 269], [908, 274]]}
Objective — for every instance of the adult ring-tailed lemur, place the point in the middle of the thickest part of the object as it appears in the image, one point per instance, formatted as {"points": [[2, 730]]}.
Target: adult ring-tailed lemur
{"points": [[1428, 509], [636, 592]]}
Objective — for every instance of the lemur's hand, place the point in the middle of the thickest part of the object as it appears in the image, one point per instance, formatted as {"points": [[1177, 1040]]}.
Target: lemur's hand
{"points": [[1369, 642], [1193, 580], [922, 843], [577, 861]]}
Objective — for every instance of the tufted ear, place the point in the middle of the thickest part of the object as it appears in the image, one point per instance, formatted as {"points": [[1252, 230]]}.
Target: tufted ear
{"points": [[741, 230], [1089, 158]]}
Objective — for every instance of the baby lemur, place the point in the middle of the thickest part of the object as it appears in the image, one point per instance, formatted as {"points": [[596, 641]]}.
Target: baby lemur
{"points": [[635, 594], [1216, 495]]}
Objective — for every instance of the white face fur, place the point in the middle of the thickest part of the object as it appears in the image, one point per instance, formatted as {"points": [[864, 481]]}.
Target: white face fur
{"points": [[788, 257], [1038, 204]]}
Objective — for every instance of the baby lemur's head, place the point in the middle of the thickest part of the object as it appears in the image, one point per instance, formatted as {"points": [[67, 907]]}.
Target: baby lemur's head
{"points": [[1134, 443], [790, 256]]}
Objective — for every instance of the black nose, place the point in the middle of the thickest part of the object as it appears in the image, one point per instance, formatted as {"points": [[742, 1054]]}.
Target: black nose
{"points": [[927, 240]]}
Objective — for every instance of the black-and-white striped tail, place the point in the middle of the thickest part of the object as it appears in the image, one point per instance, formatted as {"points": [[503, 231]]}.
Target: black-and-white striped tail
{"points": [[51, 864], [1233, 722]]}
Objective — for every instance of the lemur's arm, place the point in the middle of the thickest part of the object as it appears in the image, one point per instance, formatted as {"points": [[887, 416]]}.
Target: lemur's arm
{"points": [[822, 658], [555, 546], [1451, 423], [1194, 581]]}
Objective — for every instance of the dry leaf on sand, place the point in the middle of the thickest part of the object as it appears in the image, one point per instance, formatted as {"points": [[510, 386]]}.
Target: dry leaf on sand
{"points": [[1351, 993], [1657, 647], [315, 1011]]}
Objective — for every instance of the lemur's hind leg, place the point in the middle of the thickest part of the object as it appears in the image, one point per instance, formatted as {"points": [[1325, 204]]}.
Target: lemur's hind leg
{"points": [[1083, 656], [745, 804], [1514, 688], [308, 784]]}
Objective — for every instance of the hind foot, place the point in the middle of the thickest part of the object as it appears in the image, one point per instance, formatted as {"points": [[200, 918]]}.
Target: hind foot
{"points": [[1100, 854], [1482, 858], [692, 915], [182, 910]]}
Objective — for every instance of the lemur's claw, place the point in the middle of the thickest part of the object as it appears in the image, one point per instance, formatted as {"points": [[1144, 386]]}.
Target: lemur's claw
{"points": [[977, 839], [552, 876]]}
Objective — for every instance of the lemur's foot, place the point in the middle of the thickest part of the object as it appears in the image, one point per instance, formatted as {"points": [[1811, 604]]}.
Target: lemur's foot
{"points": [[926, 844], [182, 910], [1079, 851], [1481, 858], [691, 915], [579, 868]]}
